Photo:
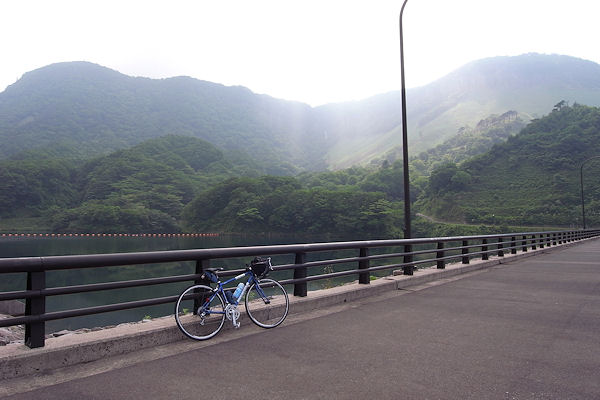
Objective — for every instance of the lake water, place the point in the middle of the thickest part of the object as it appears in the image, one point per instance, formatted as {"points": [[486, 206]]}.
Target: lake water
{"points": [[48, 246]]}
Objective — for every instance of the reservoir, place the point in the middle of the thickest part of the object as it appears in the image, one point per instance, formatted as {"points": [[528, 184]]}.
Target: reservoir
{"points": [[24, 246]]}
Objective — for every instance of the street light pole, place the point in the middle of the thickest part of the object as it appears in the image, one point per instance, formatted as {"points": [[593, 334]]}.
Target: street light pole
{"points": [[581, 182], [408, 270]]}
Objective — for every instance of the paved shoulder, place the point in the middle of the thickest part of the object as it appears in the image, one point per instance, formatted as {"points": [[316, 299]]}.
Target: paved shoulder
{"points": [[524, 330]]}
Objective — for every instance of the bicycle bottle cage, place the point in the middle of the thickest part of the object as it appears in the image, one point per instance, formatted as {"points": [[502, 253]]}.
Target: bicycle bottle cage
{"points": [[260, 266], [207, 275]]}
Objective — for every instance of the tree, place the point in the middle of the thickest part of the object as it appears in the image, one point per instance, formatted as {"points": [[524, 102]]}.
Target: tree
{"points": [[558, 106]]}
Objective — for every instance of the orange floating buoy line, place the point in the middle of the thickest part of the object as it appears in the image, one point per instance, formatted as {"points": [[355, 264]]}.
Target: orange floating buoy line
{"points": [[53, 235]]}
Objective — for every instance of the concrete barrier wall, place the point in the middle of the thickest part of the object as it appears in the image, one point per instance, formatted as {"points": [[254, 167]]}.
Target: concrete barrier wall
{"points": [[17, 360], [12, 307]]}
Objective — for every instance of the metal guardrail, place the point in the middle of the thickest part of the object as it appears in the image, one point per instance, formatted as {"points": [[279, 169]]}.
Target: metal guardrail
{"points": [[431, 252]]}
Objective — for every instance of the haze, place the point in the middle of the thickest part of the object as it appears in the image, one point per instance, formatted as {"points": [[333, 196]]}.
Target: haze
{"points": [[310, 51]]}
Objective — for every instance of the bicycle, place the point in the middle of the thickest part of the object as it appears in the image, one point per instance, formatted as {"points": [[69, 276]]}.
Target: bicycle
{"points": [[200, 310]]}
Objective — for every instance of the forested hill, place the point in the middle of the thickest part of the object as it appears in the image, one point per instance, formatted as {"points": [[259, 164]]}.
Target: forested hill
{"points": [[532, 179], [176, 183], [81, 109], [100, 110], [528, 84], [143, 188]]}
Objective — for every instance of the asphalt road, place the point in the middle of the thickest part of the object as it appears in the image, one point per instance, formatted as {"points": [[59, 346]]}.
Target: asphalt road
{"points": [[523, 330]]}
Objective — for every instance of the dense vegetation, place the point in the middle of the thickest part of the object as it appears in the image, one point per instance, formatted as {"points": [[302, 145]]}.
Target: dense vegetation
{"points": [[147, 187], [86, 149], [140, 189], [81, 109], [179, 183], [470, 142], [97, 110], [532, 179], [284, 205]]}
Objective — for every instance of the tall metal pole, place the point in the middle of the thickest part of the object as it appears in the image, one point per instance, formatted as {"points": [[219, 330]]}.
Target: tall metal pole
{"points": [[408, 270], [581, 182], [582, 202]]}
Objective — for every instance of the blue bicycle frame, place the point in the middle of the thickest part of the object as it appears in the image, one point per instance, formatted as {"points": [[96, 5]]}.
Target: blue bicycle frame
{"points": [[229, 299], [221, 303]]}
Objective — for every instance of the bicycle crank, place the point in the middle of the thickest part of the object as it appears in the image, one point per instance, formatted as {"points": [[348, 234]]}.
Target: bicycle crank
{"points": [[233, 314]]}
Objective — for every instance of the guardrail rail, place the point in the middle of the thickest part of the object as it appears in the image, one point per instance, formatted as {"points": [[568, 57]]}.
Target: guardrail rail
{"points": [[391, 254]]}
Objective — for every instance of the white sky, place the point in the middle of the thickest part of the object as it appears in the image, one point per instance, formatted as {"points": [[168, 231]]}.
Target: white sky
{"points": [[314, 51]]}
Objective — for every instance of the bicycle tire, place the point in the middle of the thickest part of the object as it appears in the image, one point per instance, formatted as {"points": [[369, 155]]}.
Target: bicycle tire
{"points": [[267, 314], [196, 324]]}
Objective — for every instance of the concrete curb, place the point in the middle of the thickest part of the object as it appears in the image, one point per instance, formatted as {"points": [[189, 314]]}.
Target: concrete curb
{"points": [[17, 360]]}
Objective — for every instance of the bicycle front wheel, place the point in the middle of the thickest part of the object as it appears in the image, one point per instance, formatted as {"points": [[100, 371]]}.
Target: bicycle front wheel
{"points": [[200, 312], [267, 303]]}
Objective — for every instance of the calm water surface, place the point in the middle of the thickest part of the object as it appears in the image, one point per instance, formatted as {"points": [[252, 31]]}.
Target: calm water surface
{"points": [[48, 246]]}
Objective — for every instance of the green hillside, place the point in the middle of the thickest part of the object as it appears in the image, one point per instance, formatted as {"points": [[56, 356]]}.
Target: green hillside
{"points": [[529, 84], [87, 149], [80, 109], [178, 183], [143, 188], [532, 179], [98, 110], [469, 142]]}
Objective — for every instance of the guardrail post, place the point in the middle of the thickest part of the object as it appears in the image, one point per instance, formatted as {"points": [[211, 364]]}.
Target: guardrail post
{"points": [[35, 332], [300, 289], [201, 265], [500, 247], [408, 259], [484, 249], [554, 239], [524, 243], [441, 264], [542, 241], [513, 245], [364, 278], [465, 252], [533, 242]]}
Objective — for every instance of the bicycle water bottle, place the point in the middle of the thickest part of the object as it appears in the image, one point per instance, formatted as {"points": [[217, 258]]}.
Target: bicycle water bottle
{"points": [[238, 291]]}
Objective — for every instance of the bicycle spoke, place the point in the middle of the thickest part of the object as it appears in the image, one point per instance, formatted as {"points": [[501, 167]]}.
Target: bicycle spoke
{"points": [[199, 312], [267, 303]]}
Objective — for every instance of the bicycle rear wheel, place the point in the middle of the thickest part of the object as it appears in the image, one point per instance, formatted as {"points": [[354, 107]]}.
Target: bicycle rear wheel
{"points": [[267, 303], [200, 312]]}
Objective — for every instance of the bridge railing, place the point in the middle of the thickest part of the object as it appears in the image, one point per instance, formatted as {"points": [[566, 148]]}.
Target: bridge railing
{"points": [[370, 257]]}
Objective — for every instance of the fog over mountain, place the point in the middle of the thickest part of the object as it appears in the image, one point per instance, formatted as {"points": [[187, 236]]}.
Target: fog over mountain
{"points": [[83, 109]]}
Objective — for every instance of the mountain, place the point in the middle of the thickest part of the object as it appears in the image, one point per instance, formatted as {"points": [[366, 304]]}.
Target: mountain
{"points": [[175, 182], [531, 179], [530, 84], [81, 109], [100, 110], [469, 142]]}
